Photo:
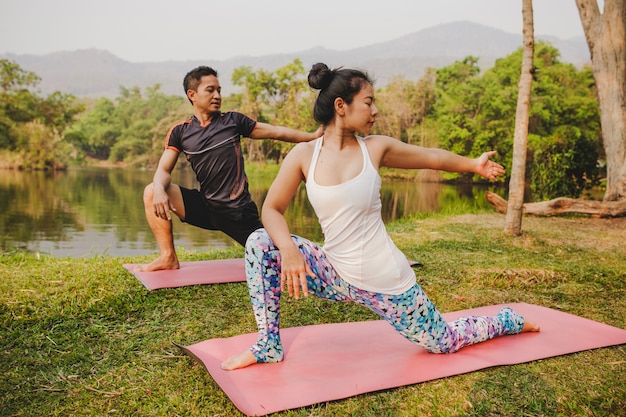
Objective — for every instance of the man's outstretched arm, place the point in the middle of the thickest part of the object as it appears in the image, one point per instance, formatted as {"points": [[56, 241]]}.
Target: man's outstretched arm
{"points": [[286, 134]]}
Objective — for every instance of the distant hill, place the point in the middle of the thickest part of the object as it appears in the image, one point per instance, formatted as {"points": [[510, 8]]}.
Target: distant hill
{"points": [[97, 73]]}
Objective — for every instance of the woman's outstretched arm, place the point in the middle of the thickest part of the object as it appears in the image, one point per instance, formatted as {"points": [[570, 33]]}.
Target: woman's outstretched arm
{"points": [[394, 153]]}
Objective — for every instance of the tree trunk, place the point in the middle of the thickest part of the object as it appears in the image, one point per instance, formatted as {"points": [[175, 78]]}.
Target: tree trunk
{"points": [[513, 223], [563, 205], [606, 37]]}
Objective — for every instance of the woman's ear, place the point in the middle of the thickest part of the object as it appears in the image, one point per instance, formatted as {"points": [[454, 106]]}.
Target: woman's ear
{"points": [[340, 106]]}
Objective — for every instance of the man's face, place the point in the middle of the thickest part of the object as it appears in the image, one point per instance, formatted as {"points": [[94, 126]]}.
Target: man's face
{"points": [[208, 96]]}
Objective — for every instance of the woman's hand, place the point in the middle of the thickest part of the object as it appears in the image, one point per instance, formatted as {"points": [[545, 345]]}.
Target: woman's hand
{"points": [[487, 168], [293, 272]]}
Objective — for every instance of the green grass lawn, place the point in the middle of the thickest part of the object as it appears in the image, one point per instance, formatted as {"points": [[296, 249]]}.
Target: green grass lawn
{"points": [[83, 337]]}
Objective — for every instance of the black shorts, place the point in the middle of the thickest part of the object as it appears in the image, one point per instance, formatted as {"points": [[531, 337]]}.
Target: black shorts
{"points": [[238, 223]]}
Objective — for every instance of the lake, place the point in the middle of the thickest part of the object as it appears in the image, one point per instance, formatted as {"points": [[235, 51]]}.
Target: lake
{"points": [[99, 212]]}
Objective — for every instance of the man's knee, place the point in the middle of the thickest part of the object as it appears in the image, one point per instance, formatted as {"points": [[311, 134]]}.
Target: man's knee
{"points": [[148, 194]]}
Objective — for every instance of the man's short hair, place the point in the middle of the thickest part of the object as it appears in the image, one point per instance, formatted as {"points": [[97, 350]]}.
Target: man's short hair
{"points": [[193, 77]]}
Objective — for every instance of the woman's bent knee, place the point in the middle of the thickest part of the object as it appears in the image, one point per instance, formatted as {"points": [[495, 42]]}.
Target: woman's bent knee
{"points": [[259, 236]]}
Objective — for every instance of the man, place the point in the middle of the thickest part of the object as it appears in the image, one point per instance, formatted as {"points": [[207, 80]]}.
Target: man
{"points": [[210, 140]]}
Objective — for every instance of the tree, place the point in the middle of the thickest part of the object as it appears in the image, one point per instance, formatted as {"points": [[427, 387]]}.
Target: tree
{"points": [[16, 101], [606, 37], [278, 97], [255, 87], [459, 90], [291, 104], [476, 113], [136, 116], [96, 131], [44, 149], [517, 183], [13, 78], [403, 107], [31, 127], [125, 130]]}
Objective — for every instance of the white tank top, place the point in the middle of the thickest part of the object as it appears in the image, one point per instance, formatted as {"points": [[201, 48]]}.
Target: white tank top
{"points": [[355, 239]]}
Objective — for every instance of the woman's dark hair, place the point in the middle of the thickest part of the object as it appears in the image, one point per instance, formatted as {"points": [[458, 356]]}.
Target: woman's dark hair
{"points": [[193, 77], [339, 82]]}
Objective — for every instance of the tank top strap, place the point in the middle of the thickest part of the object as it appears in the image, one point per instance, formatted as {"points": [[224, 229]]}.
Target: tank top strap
{"points": [[316, 153], [367, 161]]}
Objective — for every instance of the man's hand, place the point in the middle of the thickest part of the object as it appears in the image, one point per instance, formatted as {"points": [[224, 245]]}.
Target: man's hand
{"points": [[162, 205]]}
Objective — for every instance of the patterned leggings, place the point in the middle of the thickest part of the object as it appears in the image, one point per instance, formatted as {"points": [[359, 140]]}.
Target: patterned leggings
{"points": [[412, 314]]}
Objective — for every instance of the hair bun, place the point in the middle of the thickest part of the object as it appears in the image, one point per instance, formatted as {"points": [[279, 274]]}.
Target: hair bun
{"points": [[320, 76]]}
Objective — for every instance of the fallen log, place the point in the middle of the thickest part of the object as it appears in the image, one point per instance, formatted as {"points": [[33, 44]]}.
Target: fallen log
{"points": [[563, 205]]}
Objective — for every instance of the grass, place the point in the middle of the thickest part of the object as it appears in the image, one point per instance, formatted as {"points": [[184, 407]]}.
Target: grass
{"points": [[82, 337]]}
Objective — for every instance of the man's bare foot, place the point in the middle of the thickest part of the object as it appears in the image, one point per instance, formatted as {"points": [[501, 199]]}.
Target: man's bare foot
{"points": [[160, 263], [529, 326], [239, 361]]}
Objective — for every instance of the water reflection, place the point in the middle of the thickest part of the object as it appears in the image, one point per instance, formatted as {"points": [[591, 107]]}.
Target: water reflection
{"points": [[99, 211]]}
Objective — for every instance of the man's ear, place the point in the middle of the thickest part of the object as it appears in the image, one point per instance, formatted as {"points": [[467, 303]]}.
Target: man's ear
{"points": [[191, 95], [340, 106]]}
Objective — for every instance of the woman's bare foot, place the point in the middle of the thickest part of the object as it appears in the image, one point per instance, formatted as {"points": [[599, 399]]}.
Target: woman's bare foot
{"points": [[239, 361], [160, 263], [529, 326]]}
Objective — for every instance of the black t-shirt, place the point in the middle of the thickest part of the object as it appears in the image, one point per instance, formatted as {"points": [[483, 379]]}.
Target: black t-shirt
{"points": [[214, 152]]}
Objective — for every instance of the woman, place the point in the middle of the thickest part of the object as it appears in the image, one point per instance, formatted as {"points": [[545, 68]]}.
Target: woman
{"points": [[358, 261]]}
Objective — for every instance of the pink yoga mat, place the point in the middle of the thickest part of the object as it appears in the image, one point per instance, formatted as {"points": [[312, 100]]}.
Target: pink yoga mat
{"points": [[334, 361], [193, 273], [198, 273]]}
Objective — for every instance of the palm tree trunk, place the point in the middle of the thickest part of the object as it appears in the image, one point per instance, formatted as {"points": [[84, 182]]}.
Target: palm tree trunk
{"points": [[513, 222]]}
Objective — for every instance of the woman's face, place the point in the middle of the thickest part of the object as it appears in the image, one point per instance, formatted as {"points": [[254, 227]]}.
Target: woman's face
{"points": [[361, 113]]}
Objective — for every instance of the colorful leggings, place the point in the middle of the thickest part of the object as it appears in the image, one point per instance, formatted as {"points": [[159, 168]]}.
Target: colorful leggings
{"points": [[412, 314]]}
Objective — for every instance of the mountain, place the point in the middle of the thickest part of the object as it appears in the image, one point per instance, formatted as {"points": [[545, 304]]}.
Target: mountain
{"points": [[97, 73]]}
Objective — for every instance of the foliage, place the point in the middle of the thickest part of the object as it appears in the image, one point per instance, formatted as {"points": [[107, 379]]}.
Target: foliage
{"points": [[279, 98], [456, 107], [564, 165], [42, 147], [124, 130], [458, 104], [13, 78], [31, 125], [84, 337], [403, 108], [476, 113], [94, 133]]}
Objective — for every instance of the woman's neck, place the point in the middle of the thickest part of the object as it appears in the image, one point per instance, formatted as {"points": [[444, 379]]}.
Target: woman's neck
{"points": [[339, 137]]}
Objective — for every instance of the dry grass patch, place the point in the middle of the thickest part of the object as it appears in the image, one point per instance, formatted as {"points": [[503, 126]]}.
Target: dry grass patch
{"points": [[519, 277]]}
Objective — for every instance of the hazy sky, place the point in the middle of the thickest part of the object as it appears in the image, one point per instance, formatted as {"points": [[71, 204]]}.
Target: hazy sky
{"points": [[161, 30]]}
